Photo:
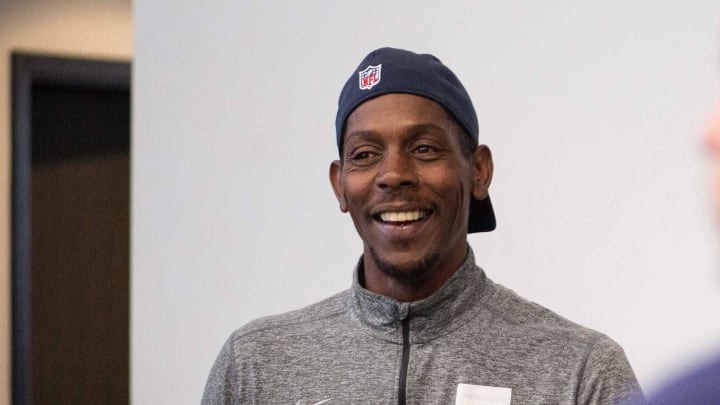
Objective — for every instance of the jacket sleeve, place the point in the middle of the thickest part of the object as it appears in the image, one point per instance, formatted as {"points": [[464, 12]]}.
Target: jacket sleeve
{"points": [[607, 378], [222, 383]]}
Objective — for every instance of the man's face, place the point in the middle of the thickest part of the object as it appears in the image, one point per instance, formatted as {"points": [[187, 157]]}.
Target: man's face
{"points": [[407, 185]]}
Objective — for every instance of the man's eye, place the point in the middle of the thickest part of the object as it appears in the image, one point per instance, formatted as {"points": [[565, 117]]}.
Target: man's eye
{"points": [[424, 149], [362, 155]]}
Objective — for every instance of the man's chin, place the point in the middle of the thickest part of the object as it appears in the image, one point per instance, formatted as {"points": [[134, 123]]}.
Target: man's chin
{"points": [[413, 271]]}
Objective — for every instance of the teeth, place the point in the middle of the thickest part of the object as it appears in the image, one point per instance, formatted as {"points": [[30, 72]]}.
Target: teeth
{"points": [[402, 216]]}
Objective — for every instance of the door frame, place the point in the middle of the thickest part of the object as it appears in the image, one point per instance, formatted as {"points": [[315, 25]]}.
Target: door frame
{"points": [[29, 69]]}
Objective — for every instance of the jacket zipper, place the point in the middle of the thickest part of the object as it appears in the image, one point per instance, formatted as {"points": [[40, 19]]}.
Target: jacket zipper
{"points": [[405, 360]]}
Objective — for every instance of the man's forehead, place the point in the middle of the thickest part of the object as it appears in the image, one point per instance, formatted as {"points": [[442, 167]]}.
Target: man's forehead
{"points": [[411, 129], [406, 113], [400, 106]]}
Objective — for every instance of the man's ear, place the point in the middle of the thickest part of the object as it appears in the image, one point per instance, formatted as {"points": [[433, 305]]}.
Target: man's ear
{"points": [[336, 182], [483, 164]]}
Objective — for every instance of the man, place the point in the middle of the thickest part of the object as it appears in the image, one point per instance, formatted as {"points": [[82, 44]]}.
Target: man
{"points": [[700, 386], [421, 324]]}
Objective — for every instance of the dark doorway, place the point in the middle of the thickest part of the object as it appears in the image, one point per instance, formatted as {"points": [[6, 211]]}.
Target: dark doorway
{"points": [[70, 230]]}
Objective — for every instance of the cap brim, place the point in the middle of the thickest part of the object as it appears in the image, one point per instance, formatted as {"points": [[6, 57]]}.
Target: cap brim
{"points": [[482, 216]]}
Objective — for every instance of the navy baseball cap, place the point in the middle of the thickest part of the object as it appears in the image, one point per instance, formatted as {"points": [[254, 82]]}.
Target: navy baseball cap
{"points": [[391, 70]]}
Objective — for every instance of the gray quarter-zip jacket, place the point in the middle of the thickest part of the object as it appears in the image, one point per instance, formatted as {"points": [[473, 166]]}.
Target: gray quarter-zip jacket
{"points": [[358, 347]]}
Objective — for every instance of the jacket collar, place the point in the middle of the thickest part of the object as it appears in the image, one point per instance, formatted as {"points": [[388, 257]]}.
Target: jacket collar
{"points": [[447, 308]]}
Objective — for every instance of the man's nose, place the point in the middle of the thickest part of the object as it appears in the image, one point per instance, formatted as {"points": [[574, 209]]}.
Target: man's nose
{"points": [[396, 170]]}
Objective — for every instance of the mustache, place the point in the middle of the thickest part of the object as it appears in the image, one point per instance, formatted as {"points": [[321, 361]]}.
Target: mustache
{"points": [[395, 196]]}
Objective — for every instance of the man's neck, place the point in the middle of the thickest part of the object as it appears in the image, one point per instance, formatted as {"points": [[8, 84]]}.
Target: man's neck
{"points": [[399, 290]]}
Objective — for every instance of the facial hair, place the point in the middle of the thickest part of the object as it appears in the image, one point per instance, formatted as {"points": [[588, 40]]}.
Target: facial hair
{"points": [[417, 273]]}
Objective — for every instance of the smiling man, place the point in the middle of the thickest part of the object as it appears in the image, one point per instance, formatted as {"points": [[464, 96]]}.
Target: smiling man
{"points": [[421, 323], [407, 181]]}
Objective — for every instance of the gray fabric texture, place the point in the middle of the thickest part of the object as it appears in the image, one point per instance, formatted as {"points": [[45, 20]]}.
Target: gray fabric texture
{"points": [[348, 349]]}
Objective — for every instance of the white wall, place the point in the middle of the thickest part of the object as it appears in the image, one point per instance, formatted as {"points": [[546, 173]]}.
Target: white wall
{"points": [[593, 113], [86, 28]]}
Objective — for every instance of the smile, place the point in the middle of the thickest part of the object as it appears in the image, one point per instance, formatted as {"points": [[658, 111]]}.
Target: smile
{"points": [[402, 216]]}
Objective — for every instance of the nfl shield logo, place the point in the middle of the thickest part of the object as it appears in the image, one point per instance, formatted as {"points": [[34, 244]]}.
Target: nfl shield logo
{"points": [[370, 77]]}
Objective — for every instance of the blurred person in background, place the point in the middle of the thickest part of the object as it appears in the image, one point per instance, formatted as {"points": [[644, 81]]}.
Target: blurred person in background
{"points": [[701, 386]]}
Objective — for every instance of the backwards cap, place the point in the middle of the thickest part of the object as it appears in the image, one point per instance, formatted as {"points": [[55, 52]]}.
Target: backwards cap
{"points": [[390, 70]]}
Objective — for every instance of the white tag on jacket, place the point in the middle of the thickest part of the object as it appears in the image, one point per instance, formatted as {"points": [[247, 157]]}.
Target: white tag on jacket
{"points": [[468, 394]]}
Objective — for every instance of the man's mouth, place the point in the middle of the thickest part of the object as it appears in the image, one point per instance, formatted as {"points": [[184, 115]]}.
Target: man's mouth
{"points": [[402, 217]]}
